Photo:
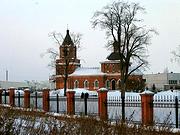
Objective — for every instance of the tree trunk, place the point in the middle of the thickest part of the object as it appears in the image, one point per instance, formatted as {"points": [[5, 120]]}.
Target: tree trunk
{"points": [[123, 103], [123, 90], [65, 86], [65, 76]]}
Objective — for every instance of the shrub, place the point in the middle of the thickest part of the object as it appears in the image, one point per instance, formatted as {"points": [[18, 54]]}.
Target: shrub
{"points": [[22, 122]]}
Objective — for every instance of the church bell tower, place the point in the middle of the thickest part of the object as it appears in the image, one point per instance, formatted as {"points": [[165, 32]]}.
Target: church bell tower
{"points": [[68, 56]]}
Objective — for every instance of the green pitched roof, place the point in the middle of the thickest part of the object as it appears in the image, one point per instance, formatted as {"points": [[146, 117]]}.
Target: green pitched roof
{"points": [[114, 56], [67, 39]]}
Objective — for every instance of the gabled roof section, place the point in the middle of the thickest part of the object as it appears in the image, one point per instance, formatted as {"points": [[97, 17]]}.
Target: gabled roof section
{"points": [[67, 39]]}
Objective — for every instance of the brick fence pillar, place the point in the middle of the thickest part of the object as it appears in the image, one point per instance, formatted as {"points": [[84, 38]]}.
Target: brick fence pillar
{"points": [[12, 96], [1, 91], [45, 99], [26, 98], [147, 107], [70, 102], [102, 103]]}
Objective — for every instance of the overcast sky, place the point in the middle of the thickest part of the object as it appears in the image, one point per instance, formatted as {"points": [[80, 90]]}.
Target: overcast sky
{"points": [[25, 24]]}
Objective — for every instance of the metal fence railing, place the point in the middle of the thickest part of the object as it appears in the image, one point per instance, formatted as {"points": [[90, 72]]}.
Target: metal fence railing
{"points": [[132, 109], [163, 107], [58, 104], [169, 108], [87, 106]]}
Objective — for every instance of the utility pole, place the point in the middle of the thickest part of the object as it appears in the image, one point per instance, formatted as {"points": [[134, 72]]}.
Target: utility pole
{"points": [[6, 75]]}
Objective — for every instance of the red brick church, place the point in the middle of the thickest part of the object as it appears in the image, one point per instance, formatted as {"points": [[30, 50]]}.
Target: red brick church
{"points": [[92, 78]]}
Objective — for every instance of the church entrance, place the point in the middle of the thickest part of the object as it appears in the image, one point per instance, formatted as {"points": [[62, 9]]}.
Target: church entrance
{"points": [[113, 84]]}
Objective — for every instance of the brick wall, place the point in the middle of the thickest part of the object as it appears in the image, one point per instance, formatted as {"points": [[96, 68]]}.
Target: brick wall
{"points": [[133, 83]]}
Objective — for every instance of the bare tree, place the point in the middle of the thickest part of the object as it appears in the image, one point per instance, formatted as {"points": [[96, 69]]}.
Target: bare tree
{"points": [[125, 31], [176, 55]]}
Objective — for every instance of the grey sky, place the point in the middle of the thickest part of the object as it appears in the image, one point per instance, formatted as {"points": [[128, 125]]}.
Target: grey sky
{"points": [[25, 24]]}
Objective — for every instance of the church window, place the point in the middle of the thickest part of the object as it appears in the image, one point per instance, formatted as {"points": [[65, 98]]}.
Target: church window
{"points": [[119, 84], [113, 68], [86, 84], [107, 67], [113, 84], [107, 84], [76, 84], [96, 84]]}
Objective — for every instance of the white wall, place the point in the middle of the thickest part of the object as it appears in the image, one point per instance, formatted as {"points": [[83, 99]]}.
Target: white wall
{"points": [[158, 79], [161, 79]]}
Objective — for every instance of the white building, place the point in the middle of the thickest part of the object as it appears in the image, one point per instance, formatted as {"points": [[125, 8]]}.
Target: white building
{"points": [[163, 80], [17, 85]]}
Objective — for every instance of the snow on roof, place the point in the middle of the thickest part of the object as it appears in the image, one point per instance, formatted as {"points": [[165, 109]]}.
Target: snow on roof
{"points": [[110, 61], [87, 71]]}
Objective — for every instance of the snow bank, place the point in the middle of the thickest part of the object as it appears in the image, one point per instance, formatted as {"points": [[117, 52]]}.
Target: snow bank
{"points": [[21, 92], [167, 95], [164, 95], [78, 92], [169, 92], [117, 93]]}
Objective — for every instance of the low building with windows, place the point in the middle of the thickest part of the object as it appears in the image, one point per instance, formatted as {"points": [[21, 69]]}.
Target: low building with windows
{"points": [[17, 85], [163, 81], [93, 78]]}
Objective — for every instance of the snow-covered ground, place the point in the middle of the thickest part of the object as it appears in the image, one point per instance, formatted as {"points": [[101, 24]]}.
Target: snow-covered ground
{"points": [[78, 92]]}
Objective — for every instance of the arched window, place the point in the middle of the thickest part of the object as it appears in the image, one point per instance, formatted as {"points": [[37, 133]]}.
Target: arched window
{"points": [[86, 84], [107, 68], [107, 84], [119, 84], [76, 84], [113, 68], [113, 84], [96, 84]]}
